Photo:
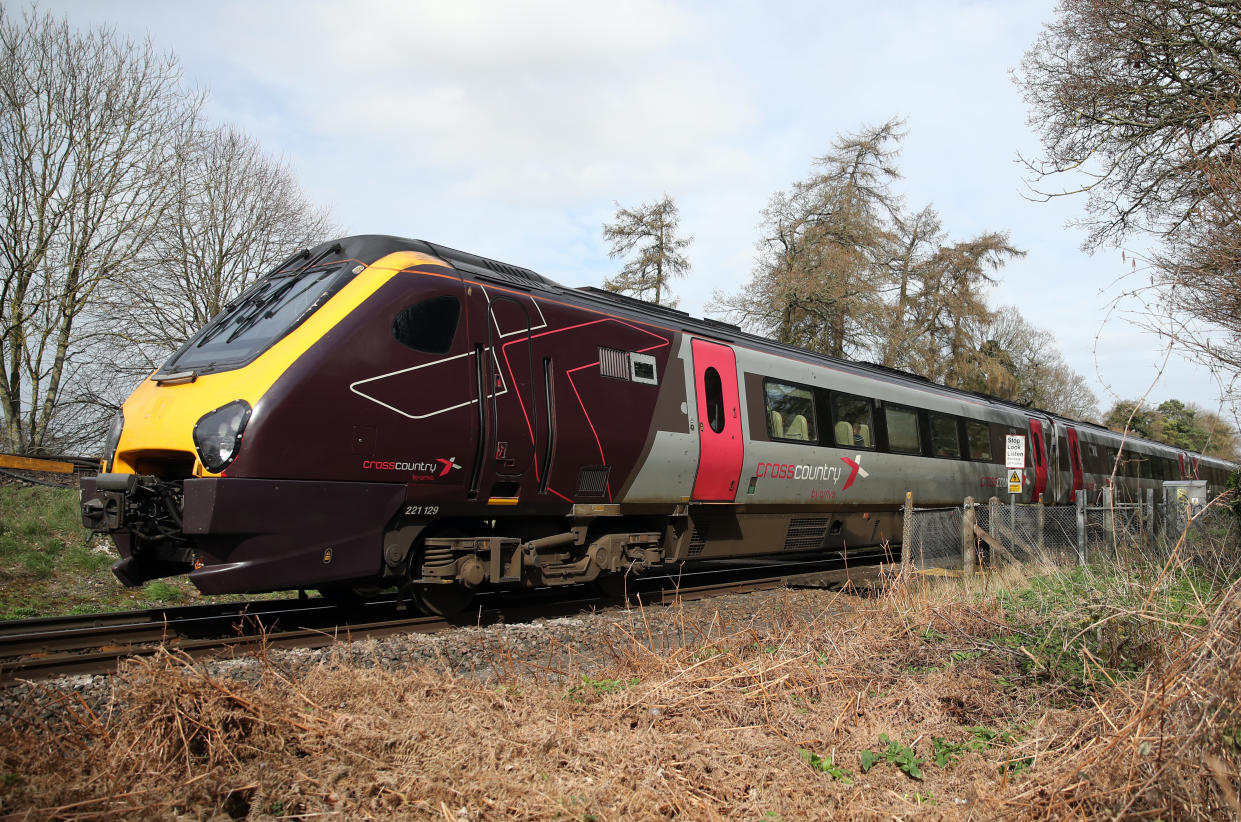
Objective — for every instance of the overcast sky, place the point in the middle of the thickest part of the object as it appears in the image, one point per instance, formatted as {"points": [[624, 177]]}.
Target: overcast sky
{"points": [[512, 129]]}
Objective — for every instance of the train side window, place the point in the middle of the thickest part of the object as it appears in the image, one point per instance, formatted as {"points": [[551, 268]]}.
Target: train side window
{"points": [[790, 412], [853, 425], [978, 437], [902, 430], [429, 325], [713, 387], [944, 438]]}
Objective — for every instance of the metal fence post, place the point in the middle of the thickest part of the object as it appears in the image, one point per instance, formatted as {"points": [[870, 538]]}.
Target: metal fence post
{"points": [[907, 533], [1081, 529], [967, 536]]}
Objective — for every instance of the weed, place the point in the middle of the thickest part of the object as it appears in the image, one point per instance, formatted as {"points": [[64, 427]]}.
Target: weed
{"points": [[600, 687], [827, 764], [946, 753], [706, 652], [921, 798], [895, 753], [1090, 627], [160, 591]]}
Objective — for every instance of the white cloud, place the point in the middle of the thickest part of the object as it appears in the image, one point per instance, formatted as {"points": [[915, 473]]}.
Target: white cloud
{"points": [[510, 129]]}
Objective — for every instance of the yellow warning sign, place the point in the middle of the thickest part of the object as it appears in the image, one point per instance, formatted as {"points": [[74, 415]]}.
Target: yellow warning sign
{"points": [[1014, 482]]}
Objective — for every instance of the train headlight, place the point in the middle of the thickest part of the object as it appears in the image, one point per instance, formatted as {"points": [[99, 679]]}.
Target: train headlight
{"points": [[217, 435], [114, 440]]}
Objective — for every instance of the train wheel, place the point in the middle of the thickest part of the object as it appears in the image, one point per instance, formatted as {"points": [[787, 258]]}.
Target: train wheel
{"points": [[441, 600], [612, 586]]}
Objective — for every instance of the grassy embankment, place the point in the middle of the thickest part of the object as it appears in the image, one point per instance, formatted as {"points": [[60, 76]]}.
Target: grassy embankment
{"points": [[50, 564], [1112, 691]]}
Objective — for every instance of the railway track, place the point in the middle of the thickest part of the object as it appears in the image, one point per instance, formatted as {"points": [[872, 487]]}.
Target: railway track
{"points": [[58, 646]]}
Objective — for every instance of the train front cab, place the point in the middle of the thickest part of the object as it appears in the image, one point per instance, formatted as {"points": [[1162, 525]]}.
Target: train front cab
{"points": [[170, 497]]}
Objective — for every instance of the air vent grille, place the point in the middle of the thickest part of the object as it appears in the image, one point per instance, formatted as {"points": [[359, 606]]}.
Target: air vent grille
{"points": [[613, 363], [592, 480], [698, 541], [805, 534]]}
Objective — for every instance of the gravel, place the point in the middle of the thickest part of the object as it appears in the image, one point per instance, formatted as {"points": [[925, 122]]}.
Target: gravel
{"points": [[562, 649]]}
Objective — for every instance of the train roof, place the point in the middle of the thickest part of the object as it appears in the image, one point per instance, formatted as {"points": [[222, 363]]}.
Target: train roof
{"points": [[371, 247]]}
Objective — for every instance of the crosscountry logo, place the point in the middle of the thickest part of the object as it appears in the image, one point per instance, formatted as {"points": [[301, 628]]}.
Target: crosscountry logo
{"points": [[855, 470]]}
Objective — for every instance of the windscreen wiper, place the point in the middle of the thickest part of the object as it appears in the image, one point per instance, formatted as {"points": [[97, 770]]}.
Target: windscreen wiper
{"points": [[294, 278], [211, 332]]}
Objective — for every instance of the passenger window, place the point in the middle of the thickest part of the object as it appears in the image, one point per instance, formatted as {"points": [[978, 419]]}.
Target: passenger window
{"points": [[714, 389], [944, 439], [429, 325], [902, 430], [851, 418], [979, 438], [790, 412]]}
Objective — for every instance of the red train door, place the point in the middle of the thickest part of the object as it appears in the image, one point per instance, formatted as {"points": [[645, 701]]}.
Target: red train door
{"points": [[720, 445], [1038, 452], [1075, 463]]}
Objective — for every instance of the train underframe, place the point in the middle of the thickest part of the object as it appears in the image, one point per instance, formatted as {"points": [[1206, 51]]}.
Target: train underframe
{"points": [[239, 535]]}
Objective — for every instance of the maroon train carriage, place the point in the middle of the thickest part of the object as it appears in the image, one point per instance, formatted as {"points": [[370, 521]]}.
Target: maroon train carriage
{"points": [[382, 411]]}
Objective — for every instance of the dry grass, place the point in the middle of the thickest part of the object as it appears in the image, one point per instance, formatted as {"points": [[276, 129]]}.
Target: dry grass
{"points": [[690, 717]]}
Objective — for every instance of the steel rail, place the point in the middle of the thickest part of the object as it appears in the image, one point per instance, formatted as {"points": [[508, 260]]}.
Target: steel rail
{"points": [[56, 646]]}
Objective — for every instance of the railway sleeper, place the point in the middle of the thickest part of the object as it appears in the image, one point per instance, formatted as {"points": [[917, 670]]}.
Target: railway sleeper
{"points": [[561, 559]]}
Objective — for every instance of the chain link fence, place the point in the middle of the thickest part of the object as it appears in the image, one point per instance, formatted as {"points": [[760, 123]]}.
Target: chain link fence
{"points": [[988, 533], [933, 538]]}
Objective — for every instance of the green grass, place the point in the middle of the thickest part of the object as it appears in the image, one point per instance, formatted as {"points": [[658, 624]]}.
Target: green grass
{"points": [[1088, 627], [51, 565]]}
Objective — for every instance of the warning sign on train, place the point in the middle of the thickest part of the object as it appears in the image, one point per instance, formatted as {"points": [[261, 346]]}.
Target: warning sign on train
{"points": [[1014, 482], [1014, 451]]}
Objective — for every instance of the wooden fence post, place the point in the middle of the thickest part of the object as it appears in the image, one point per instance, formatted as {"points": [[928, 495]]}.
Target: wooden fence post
{"points": [[1148, 515], [1109, 516], [994, 526], [1042, 518]]}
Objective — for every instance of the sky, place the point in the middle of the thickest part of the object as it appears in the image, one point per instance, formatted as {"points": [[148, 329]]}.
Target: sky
{"points": [[514, 130]]}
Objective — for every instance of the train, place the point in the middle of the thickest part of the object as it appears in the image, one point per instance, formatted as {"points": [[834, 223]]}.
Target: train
{"points": [[380, 411]]}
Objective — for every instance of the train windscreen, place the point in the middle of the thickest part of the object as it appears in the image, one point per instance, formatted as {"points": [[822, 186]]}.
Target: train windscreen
{"points": [[258, 319]]}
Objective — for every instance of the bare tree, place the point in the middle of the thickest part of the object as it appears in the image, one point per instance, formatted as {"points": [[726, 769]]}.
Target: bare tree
{"points": [[1142, 98], [92, 128], [1021, 363], [652, 230], [237, 214]]}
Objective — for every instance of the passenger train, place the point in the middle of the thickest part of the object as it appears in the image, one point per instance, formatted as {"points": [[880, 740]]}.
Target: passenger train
{"points": [[381, 411]]}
